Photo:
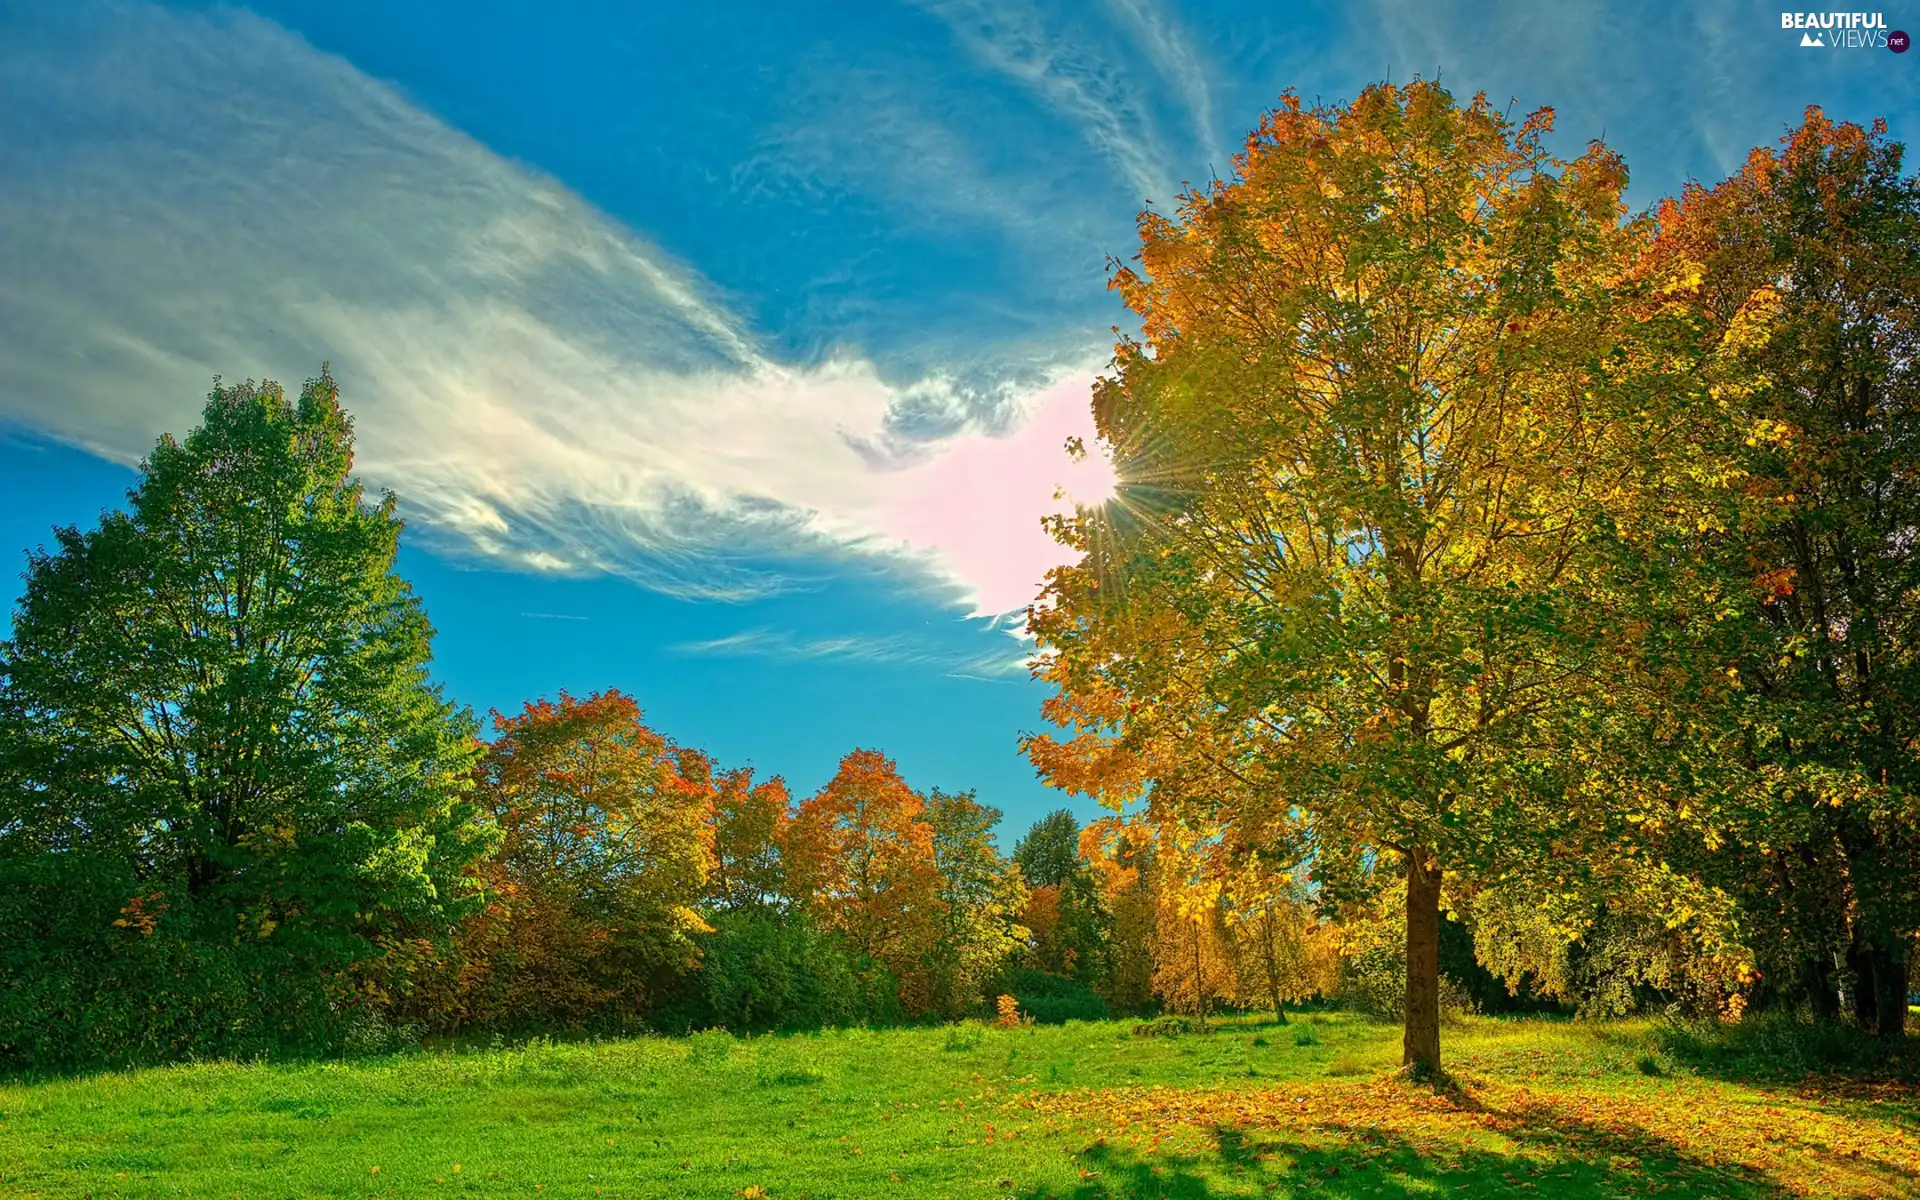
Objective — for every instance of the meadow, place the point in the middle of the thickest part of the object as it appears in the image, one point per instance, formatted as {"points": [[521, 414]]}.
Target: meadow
{"points": [[1080, 1111]]}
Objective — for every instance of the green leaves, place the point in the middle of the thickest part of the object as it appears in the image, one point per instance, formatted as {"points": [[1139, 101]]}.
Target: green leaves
{"points": [[222, 692]]}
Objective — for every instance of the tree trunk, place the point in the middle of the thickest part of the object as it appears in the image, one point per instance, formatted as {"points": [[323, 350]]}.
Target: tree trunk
{"points": [[1271, 934], [1866, 991], [1421, 1048], [1279, 1013], [1890, 994], [1820, 990]]}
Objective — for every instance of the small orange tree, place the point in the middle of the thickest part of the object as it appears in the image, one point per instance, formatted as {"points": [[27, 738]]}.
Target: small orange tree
{"points": [[859, 856]]}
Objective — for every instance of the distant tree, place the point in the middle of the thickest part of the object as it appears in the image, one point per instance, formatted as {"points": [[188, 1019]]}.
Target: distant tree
{"points": [[606, 852], [983, 897], [1050, 853], [1124, 870], [1269, 911], [859, 857], [1195, 962], [221, 757], [747, 820], [1067, 925], [1803, 265]]}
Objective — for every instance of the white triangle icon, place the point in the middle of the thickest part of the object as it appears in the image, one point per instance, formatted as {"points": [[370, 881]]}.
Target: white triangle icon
{"points": [[1809, 39]]}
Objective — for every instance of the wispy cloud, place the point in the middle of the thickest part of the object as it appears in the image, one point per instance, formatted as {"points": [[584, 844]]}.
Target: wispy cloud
{"points": [[537, 616], [890, 650], [1020, 41], [943, 178], [1171, 52], [191, 194]]}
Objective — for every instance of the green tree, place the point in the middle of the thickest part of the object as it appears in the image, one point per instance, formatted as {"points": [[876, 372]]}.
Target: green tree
{"points": [[983, 894], [218, 736], [1050, 853], [1070, 926], [1803, 262]]}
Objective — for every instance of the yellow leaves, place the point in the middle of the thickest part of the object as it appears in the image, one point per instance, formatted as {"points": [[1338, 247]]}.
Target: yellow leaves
{"points": [[1752, 327], [687, 920], [1686, 279]]}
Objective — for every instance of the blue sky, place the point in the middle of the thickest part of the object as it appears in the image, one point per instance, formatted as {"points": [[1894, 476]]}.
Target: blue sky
{"points": [[721, 353]]}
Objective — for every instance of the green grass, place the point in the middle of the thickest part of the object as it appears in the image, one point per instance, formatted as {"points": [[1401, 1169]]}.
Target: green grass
{"points": [[1081, 1111]]}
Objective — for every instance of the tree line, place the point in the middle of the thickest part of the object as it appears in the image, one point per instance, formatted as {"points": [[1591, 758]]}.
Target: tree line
{"points": [[238, 818], [1507, 599]]}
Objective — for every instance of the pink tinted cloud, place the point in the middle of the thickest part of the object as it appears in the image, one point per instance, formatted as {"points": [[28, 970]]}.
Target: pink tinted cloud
{"points": [[977, 507]]}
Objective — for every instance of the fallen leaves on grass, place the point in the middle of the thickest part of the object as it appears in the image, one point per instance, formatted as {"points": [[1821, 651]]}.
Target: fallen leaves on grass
{"points": [[1800, 1145]]}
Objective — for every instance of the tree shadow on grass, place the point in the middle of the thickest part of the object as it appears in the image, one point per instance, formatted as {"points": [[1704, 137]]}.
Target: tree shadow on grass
{"points": [[1581, 1162]]}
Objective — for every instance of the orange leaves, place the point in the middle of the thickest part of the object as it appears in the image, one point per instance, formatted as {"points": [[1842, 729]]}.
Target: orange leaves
{"points": [[1042, 919], [859, 854], [1774, 584], [1007, 1011], [747, 821], [606, 849], [136, 914]]}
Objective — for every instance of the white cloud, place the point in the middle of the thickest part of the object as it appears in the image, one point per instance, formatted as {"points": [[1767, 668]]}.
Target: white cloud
{"points": [[890, 650], [196, 194]]}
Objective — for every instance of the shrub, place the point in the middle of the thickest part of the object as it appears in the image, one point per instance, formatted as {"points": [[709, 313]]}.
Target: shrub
{"points": [[1373, 971], [709, 1047], [763, 971], [77, 991], [1054, 999], [1781, 1045]]}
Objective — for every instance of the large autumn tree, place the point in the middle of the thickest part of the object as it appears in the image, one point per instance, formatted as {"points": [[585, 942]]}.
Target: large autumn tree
{"points": [[222, 763], [1360, 459]]}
